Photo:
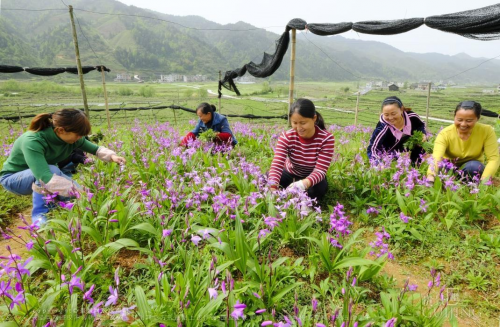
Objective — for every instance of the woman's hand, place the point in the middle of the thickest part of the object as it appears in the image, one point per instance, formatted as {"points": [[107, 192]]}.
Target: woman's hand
{"points": [[119, 160]]}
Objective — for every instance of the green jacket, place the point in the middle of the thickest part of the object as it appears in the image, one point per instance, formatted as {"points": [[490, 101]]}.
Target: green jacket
{"points": [[38, 150]]}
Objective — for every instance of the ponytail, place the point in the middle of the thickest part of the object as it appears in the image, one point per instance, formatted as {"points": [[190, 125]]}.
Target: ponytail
{"points": [[40, 122], [320, 122], [72, 120], [306, 108], [206, 108]]}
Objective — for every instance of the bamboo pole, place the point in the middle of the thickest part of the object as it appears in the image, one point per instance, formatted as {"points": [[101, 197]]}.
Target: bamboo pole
{"points": [[220, 105], [105, 97], [428, 104], [175, 116], [79, 63], [292, 72], [357, 109], [20, 118]]}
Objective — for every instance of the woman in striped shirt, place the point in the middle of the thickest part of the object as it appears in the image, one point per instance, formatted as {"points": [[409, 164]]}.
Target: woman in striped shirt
{"points": [[303, 154]]}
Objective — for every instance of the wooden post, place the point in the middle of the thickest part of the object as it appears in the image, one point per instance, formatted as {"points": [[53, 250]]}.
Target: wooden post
{"points": [[79, 63], [428, 105], [357, 108], [105, 97], [292, 72], [175, 117], [220, 106], [20, 118]]}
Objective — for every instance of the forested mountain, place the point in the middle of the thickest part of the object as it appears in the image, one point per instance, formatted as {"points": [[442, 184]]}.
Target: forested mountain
{"points": [[112, 34]]}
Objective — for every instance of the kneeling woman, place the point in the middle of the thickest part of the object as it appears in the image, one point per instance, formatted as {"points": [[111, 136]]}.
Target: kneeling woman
{"points": [[31, 167], [397, 124], [303, 154], [466, 143], [209, 119]]}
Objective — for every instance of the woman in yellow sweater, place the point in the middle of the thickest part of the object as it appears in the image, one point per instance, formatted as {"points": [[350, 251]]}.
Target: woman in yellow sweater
{"points": [[466, 143]]}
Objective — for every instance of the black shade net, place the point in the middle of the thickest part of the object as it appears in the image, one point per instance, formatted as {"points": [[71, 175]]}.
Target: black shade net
{"points": [[50, 71], [15, 118], [478, 24]]}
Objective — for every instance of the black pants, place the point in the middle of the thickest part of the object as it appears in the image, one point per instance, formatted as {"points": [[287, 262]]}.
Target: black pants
{"points": [[318, 191]]}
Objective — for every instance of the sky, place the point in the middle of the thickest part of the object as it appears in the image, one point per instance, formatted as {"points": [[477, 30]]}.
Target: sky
{"points": [[275, 14]]}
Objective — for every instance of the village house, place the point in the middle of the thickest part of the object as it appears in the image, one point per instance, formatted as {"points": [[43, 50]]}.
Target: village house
{"points": [[123, 77], [393, 87], [170, 78]]}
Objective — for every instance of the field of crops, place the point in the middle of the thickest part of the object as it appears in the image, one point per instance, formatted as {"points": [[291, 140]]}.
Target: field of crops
{"points": [[194, 236]]}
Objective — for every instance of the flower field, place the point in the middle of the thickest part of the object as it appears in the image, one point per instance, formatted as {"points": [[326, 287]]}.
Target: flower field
{"points": [[195, 237]]}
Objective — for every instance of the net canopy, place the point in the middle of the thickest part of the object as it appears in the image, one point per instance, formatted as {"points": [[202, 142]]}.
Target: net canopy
{"points": [[479, 24], [50, 71]]}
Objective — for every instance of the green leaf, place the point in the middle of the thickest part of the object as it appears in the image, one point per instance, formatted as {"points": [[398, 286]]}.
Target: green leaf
{"points": [[353, 261], [9, 324], [283, 291], [416, 234], [146, 227], [401, 202], [142, 304]]}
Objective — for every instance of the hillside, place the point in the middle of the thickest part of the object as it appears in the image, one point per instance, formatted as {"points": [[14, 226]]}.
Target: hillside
{"points": [[125, 42]]}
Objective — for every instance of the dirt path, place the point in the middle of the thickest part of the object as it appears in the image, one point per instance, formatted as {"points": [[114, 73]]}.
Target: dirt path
{"points": [[17, 244]]}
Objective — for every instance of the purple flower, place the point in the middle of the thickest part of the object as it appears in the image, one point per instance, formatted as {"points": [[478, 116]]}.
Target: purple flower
{"points": [[404, 218], [87, 296], [267, 323], [260, 311], [412, 287], [223, 287], [16, 300], [195, 239], [256, 295], [123, 312], [372, 210], [263, 232], [423, 206], [213, 293], [320, 325], [238, 310], [96, 309], [113, 298], [167, 232], [117, 278], [30, 245], [5, 287], [314, 303], [66, 205], [75, 282], [391, 322]]}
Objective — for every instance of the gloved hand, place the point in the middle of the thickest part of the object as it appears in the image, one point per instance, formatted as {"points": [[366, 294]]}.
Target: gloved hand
{"points": [[61, 185], [300, 185], [105, 154]]}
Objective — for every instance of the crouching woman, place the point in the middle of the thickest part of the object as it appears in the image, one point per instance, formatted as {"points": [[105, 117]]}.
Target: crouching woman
{"points": [[31, 168]]}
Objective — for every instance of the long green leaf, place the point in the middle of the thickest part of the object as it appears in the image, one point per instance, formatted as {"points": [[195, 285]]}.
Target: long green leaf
{"points": [[353, 261], [142, 305]]}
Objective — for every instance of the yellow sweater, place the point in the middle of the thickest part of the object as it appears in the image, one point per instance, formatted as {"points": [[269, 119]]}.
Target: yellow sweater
{"points": [[481, 142]]}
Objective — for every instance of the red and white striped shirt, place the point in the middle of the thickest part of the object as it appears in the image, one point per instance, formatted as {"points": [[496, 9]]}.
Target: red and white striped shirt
{"points": [[306, 158]]}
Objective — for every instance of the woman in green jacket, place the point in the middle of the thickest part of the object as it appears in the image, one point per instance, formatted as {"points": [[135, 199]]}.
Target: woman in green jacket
{"points": [[31, 167]]}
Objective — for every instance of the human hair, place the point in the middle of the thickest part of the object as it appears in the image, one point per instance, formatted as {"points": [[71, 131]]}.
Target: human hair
{"points": [[71, 120], [206, 108], [470, 105], [306, 108], [394, 100]]}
